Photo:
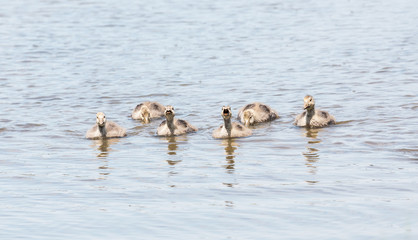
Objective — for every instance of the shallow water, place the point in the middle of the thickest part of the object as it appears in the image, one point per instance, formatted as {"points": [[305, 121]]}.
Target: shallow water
{"points": [[61, 62]]}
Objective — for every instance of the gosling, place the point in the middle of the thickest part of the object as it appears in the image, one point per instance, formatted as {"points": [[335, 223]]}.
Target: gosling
{"points": [[105, 129], [256, 112], [172, 126], [147, 111], [312, 118], [230, 130]]}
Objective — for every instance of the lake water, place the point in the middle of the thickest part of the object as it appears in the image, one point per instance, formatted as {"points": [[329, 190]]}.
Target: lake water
{"points": [[63, 61]]}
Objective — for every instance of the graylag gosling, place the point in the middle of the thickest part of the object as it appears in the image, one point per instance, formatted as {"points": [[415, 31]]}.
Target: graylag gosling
{"points": [[148, 110], [105, 129], [172, 126], [256, 112], [312, 118], [230, 129]]}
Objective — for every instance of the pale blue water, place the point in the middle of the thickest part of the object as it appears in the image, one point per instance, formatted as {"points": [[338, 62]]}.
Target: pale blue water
{"points": [[63, 61]]}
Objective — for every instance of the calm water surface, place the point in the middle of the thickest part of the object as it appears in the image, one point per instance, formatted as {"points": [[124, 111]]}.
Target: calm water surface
{"points": [[63, 61]]}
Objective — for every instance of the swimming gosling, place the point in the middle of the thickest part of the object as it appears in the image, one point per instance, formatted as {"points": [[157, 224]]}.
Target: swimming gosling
{"points": [[312, 118], [256, 112], [230, 130], [172, 126], [105, 129], [148, 110]]}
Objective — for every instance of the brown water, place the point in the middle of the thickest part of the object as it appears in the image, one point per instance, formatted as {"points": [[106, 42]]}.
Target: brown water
{"points": [[63, 61]]}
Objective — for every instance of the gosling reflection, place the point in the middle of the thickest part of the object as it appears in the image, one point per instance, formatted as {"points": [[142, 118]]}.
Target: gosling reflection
{"points": [[312, 154], [312, 133], [229, 204], [173, 148], [103, 146], [230, 147]]}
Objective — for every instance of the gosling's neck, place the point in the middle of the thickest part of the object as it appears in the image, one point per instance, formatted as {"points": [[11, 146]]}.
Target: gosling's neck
{"points": [[102, 130], [310, 112], [228, 126], [170, 125]]}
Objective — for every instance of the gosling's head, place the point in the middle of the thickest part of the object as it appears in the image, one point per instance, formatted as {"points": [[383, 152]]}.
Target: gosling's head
{"points": [[308, 103], [248, 116], [169, 112], [226, 112], [100, 119], [145, 114]]}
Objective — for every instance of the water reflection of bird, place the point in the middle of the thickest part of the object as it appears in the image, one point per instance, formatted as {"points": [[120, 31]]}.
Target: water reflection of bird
{"points": [[312, 118], [311, 157], [230, 147], [173, 147], [103, 145], [230, 129], [312, 134], [312, 153]]}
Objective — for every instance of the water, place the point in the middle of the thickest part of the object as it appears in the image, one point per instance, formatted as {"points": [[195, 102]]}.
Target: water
{"points": [[63, 61]]}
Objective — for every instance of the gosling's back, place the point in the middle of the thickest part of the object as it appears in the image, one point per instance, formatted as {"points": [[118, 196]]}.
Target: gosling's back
{"points": [[237, 130], [180, 127], [319, 119], [260, 112], [156, 110], [112, 130]]}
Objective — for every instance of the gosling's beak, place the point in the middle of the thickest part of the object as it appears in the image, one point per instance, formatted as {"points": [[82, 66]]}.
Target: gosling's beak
{"points": [[306, 106], [247, 122], [168, 112]]}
